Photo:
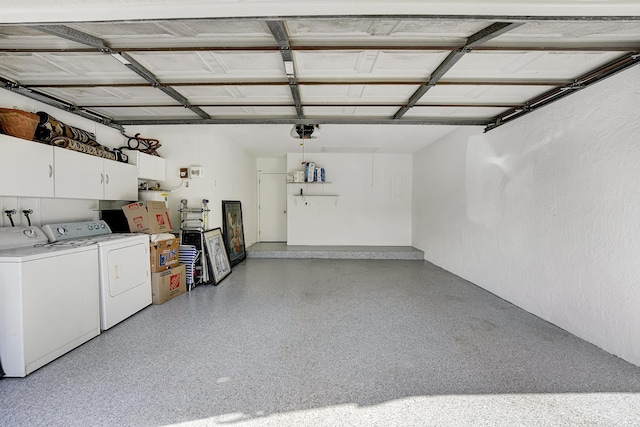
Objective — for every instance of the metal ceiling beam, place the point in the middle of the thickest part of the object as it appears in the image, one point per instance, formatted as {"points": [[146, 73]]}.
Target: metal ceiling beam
{"points": [[95, 42], [412, 17], [137, 68], [486, 34], [279, 32], [315, 120], [318, 104], [54, 102], [422, 47], [69, 33], [592, 77], [314, 83], [475, 17]]}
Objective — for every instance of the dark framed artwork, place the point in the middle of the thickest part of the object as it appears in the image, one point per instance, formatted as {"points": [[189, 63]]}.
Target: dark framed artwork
{"points": [[233, 230], [218, 259]]}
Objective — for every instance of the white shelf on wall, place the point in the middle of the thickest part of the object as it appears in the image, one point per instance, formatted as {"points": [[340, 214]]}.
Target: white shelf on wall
{"points": [[303, 196], [308, 183]]}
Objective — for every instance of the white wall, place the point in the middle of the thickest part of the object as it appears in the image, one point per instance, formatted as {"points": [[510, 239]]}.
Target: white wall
{"points": [[272, 164], [373, 206], [545, 212], [229, 172]]}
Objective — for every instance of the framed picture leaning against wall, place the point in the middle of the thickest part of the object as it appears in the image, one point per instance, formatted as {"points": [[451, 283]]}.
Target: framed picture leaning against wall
{"points": [[233, 230], [218, 259]]}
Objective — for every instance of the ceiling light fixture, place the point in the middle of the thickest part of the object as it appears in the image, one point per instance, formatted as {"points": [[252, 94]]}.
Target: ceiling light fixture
{"points": [[121, 58], [305, 131], [288, 68]]}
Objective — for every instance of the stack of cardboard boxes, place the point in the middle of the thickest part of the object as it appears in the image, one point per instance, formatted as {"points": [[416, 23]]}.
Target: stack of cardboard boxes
{"points": [[168, 277]]}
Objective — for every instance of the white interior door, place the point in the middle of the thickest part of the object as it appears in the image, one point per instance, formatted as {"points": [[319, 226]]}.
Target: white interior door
{"points": [[272, 207]]}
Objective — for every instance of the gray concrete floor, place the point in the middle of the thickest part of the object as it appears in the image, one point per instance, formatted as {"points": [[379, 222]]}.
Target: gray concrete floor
{"points": [[284, 342]]}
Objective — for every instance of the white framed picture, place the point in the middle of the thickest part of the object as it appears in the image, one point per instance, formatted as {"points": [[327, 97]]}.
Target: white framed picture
{"points": [[218, 258]]}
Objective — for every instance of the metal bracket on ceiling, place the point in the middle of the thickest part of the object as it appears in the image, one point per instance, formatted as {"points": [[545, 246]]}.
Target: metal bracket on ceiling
{"points": [[11, 85], [576, 85], [497, 122]]}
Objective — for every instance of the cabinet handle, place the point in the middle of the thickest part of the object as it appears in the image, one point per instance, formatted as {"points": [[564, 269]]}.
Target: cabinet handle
{"points": [[50, 171], [101, 178], [107, 175]]}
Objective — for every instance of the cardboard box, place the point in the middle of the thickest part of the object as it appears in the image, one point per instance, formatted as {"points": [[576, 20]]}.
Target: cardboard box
{"points": [[149, 217], [166, 285], [164, 254]]}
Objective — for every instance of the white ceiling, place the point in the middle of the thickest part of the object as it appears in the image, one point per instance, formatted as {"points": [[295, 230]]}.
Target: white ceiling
{"points": [[355, 73]]}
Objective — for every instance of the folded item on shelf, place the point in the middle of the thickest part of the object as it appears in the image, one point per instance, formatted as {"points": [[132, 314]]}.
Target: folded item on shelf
{"points": [[49, 127], [72, 144]]}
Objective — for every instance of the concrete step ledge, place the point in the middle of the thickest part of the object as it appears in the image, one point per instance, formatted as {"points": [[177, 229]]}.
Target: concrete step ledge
{"points": [[282, 250]]}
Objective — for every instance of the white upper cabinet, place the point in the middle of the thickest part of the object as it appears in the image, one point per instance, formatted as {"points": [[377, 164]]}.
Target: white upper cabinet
{"points": [[33, 169], [26, 168], [120, 181], [78, 175], [81, 176], [149, 167]]}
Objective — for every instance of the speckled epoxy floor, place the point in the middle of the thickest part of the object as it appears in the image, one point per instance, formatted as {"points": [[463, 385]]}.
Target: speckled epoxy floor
{"points": [[295, 342]]}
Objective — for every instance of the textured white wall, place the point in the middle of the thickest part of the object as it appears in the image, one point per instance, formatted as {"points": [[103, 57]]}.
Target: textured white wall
{"points": [[229, 172], [373, 207], [545, 212], [272, 164]]}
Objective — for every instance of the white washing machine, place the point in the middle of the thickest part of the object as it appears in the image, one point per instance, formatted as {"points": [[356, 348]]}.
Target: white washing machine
{"points": [[123, 260], [49, 299]]}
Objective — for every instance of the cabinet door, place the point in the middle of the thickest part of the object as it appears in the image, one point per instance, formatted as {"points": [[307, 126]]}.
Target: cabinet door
{"points": [[159, 167], [120, 181], [78, 175], [26, 168], [151, 167], [146, 169]]}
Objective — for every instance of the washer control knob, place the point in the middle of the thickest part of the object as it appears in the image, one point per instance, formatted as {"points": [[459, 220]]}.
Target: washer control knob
{"points": [[29, 232], [61, 231], [90, 227]]}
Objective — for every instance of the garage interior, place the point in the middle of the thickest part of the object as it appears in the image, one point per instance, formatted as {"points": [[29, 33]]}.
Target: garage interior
{"points": [[497, 139]]}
